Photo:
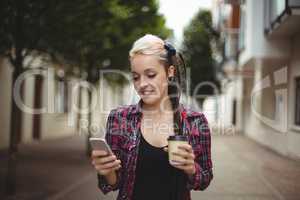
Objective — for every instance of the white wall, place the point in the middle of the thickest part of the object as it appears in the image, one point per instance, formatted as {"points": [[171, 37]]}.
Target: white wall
{"points": [[56, 124], [256, 44], [27, 121], [53, 125], [258, 125], [281, 136], [266, 56], [294, 71], [107, 97], [5, 101], [227, 106]]}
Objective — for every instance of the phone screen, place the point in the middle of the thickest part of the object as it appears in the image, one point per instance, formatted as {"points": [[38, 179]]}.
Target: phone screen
{"points": [[100, 144]]}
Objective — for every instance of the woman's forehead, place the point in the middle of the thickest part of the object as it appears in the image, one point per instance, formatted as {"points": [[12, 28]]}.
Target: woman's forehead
{"points": [[147, 70], [145, 63]]}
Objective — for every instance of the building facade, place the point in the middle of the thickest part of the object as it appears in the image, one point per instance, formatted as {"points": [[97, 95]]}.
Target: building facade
{"points": [[54, 105], [266, 71]]}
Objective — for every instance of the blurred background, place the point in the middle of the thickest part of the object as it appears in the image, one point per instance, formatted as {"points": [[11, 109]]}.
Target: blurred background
{"points": [[64, 65]]}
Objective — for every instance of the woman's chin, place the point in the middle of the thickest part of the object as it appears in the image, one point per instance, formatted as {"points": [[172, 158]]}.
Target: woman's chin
{"points": [[149, 99]]}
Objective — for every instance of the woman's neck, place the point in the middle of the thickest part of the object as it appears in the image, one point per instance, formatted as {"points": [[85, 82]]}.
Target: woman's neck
{"points": [[159, 108]]}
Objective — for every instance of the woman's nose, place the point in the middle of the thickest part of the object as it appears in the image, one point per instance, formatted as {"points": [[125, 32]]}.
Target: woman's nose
{"points": [[143, 82]]}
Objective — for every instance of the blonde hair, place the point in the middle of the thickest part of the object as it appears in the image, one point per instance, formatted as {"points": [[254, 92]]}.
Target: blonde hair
{"points": [[153, 45], [149, 45]]}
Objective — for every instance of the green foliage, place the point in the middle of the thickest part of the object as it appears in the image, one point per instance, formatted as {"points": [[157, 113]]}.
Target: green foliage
{"points": [[82, 33], [197, 49]]}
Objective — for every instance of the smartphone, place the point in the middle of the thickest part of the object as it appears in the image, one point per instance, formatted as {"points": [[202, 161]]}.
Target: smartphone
{"points": [[100, 144]]}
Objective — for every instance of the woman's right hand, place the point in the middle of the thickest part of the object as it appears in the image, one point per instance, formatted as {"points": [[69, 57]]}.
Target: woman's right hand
{"points": [[104, 163]]}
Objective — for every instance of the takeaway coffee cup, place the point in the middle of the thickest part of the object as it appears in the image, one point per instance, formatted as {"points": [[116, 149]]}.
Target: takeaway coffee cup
{"points": [[173, 142]]}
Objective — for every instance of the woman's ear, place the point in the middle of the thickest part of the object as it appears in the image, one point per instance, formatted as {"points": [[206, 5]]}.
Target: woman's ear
{"points": [[171, 71]]}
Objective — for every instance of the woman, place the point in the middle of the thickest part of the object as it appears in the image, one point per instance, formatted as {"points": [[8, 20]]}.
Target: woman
{"points": [[137, 134]]}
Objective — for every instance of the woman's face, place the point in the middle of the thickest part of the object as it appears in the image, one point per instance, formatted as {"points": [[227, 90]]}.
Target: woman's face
{"points": [[149, 78]]}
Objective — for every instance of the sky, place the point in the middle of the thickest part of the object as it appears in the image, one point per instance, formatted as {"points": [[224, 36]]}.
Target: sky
{"points": [[178, 13]]}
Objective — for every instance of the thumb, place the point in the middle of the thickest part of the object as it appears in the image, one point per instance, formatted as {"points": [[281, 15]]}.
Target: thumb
{"points": [[166, 149]]}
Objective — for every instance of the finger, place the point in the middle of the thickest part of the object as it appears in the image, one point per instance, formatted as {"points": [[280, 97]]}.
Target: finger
{"points": [[100, 163], [184, 155], [104, 160], [186, 147], [117, 167], [191, 156], [184, 167], [109, 165], [166, 149], [176, 162], [189, 162], [180, 154], [183, 162], [107, 171], [98, 153]]}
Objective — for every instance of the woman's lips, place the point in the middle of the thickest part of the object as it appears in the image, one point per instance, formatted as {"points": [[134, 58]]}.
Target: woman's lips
{"points": [[148, 92]]}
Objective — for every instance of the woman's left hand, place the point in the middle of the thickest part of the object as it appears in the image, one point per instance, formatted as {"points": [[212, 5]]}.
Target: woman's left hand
{"points": [[185, 151]]}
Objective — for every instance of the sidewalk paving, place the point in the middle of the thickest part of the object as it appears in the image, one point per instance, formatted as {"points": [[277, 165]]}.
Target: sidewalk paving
{"points": [[245, 170], [59, 170], [51, 170]]}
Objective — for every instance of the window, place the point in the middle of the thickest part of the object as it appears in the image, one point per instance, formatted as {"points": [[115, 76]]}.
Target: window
{"points": [[267, 15], [297, 102], [62, 96], [277, 8], [242, 27], [274, 10]]}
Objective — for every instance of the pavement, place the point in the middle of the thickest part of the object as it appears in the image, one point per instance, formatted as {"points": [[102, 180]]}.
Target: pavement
{"points": [[246, 170], [60, 170]]}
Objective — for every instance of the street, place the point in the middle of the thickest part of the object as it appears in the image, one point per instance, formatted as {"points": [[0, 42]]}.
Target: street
{"points": [[59, 170]]}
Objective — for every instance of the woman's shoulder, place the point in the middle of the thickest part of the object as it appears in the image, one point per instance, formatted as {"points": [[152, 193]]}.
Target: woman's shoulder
{"points": [[197, 122], [124, 110], [194, 117], [191, 112]]}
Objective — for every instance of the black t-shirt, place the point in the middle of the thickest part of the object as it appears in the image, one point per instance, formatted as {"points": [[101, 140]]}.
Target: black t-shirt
{"points": [[153, 173]]}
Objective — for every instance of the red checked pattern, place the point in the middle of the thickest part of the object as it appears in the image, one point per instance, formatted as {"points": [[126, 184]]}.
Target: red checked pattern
{"points": [[123, 137]]}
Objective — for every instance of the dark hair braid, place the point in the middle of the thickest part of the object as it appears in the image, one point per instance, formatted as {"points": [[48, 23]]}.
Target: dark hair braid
{"points": [[176, 84], [174, 91]]}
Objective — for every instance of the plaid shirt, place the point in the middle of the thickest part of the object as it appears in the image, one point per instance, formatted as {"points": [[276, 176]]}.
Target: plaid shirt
{"points": [[122, 136]]}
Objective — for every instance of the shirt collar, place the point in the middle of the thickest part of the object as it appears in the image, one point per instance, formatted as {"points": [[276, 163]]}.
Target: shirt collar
{"points": [[137, 108]]}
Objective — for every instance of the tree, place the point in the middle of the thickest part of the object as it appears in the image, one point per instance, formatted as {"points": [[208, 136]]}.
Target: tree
{"points": [[197, 49], [118, 25], [81, 33]]}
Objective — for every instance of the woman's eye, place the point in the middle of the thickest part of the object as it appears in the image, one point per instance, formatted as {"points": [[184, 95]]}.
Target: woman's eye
{"points": [[135, 78], [151, 75]]}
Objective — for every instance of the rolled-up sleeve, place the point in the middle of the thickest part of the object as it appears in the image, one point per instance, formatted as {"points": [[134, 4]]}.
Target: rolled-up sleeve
{"points": [[112, 138], [202, 150]]}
